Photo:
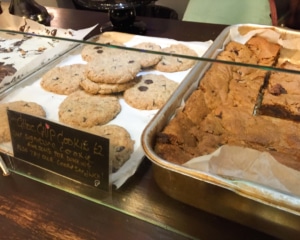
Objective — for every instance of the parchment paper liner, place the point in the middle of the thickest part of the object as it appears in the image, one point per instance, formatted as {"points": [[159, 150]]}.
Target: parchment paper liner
{"points": [[245, 164]]}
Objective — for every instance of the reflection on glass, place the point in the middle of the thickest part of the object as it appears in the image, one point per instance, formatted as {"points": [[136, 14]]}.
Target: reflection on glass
{"points": [[122, 14]]}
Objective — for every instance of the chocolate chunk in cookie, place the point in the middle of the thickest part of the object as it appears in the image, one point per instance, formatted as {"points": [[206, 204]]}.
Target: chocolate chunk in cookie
{"points": [[174, 63], [151, 92]]}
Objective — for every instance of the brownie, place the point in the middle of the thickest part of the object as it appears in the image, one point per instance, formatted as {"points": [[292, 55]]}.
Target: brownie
{"points": [[220, 110], [282, 96]]}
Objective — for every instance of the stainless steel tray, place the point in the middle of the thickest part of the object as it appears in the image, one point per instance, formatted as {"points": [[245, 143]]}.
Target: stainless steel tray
{"points": [[262, 208]]}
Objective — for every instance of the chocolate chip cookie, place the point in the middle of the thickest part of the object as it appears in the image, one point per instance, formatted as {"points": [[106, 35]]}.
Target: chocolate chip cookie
{"points": [[63, 80], [151, 92], [117, 69], [81, 109], [20, 106], [94, 51], [120, 146], [148, 59], [176, 64]]}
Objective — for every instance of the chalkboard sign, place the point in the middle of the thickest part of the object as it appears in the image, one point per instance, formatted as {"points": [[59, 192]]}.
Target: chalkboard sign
{"points": [[72, 153]]}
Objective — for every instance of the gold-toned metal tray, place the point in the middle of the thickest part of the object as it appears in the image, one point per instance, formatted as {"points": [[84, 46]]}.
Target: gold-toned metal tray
{"points": [[268, 210]]}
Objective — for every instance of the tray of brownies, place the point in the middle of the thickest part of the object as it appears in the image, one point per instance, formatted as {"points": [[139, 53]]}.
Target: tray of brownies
{"points": [[228, 139]]}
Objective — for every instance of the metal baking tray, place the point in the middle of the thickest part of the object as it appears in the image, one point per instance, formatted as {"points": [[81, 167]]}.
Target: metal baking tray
{"points": [[265, 209]]}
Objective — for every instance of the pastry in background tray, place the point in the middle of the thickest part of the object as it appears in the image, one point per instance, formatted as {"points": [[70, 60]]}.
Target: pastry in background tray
{"points": [[64, 80], [6, 70], [23, 54], [121, 145], [91, 52], [176, 64], [80, 109], [19, 106], [151, 92], [266, 52], [239, 85]]}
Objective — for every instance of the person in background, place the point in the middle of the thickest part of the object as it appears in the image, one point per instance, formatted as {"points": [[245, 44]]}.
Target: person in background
{"points": [[293, 20], [285, 13]]}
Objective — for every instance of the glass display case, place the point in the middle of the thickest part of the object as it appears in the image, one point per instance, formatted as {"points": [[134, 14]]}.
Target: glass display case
{"points": [[141, 84]]}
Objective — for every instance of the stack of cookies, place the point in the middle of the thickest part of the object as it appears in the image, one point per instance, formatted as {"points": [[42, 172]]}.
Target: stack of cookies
{"points": [[113, 70]]}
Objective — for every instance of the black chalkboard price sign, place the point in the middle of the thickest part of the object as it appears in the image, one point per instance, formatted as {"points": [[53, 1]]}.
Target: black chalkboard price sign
{"points": [[69, 152]]}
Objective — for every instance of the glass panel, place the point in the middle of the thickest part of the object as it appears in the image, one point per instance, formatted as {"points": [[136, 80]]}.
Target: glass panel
{"points": [[246, 94]]}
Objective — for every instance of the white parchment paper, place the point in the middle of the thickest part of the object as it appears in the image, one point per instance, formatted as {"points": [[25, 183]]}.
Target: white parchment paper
{"points": [[247, 164]]}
